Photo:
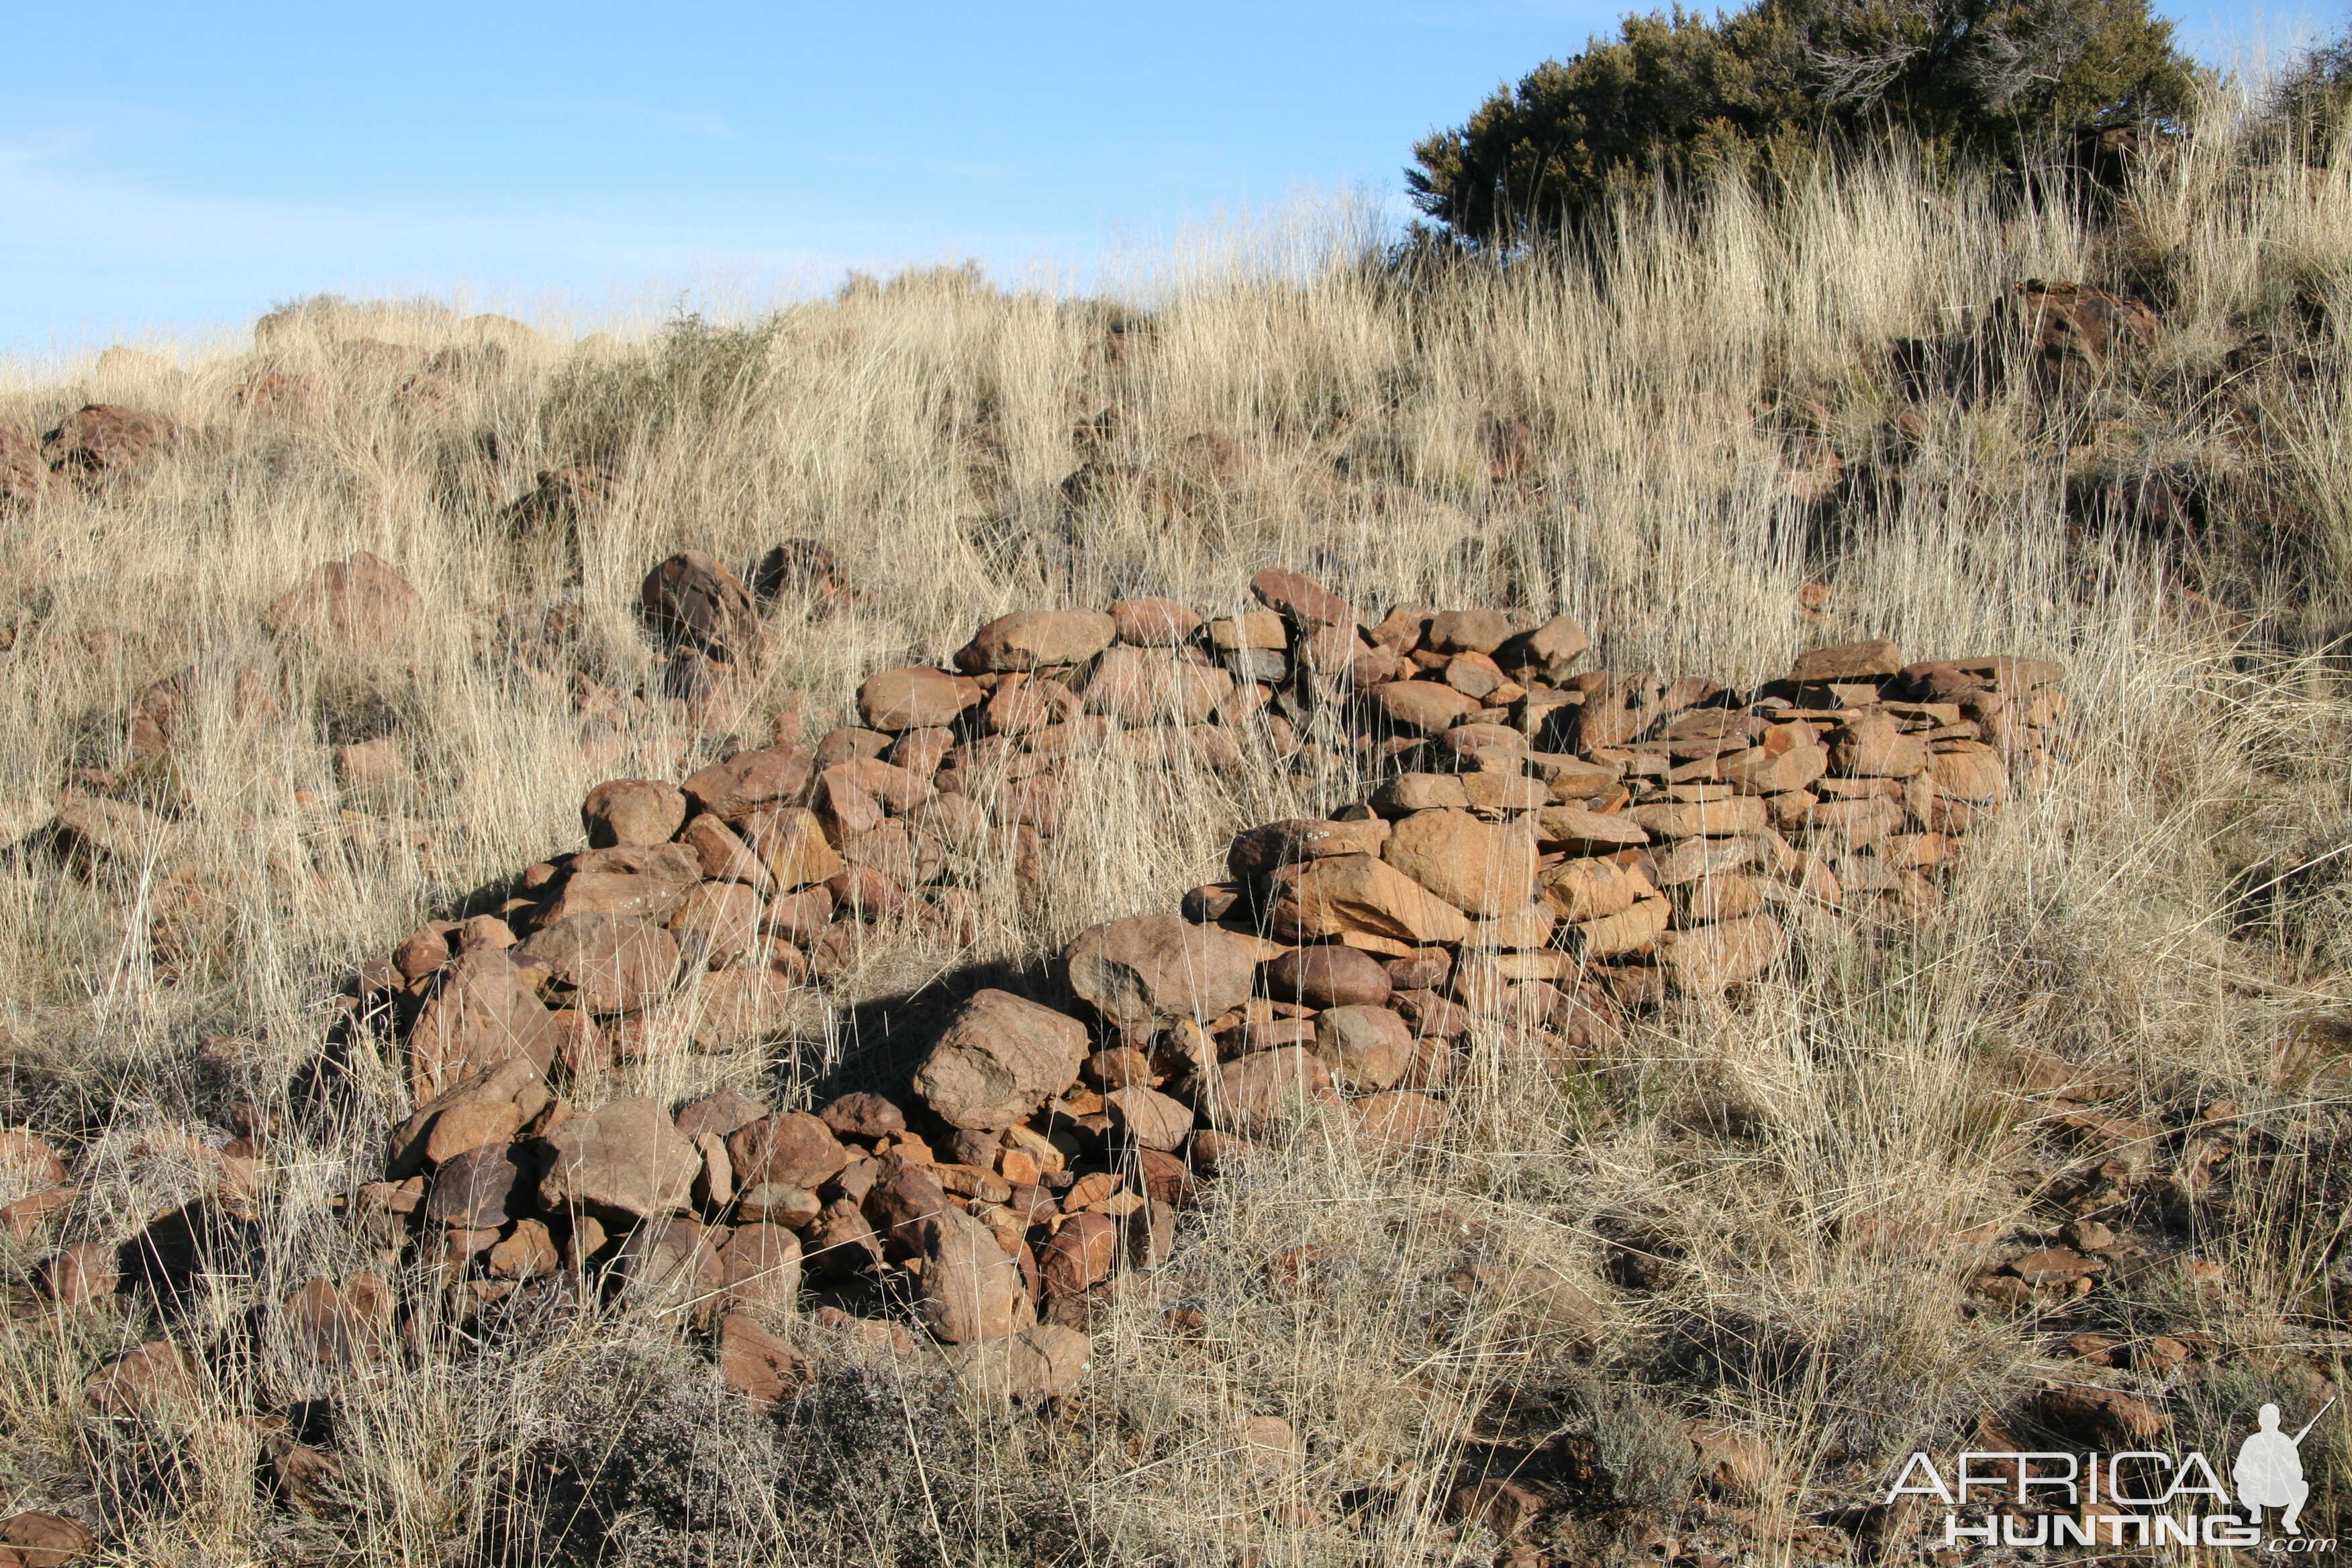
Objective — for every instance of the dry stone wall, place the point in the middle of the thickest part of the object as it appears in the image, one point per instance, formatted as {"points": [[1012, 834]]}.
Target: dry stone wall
{"points": [[1549, 851]]}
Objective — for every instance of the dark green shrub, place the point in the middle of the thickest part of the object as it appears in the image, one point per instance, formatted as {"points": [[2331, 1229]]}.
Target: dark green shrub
{"points": [[1764, 91]]}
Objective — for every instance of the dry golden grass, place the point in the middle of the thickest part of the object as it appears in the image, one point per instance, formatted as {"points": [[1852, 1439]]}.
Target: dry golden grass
{"points": [[1669, 390]]}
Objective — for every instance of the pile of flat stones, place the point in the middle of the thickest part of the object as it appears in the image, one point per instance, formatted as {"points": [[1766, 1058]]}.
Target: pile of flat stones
{"points": [[1548, 853]]}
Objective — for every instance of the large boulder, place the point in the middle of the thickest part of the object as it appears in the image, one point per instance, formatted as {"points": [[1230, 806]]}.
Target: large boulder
{"points": [[1477, 867], [1000, 1058], [1036, 639], [625, 1159], [691, 599], [1146, 972]]}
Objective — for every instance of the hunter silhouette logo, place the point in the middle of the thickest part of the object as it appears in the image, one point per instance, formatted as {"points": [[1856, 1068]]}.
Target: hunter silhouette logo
{"points": [[2141, 1497], [2269, 1471]]}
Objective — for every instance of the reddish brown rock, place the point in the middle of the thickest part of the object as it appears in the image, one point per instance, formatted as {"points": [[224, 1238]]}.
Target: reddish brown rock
{"points": [[528, 1253], [1294, 842], [632, 811], [23, 474], [1480, 867], [1873, 661], [1040, 1361], [2107, 1417], [476, 1190], [1712, 958], [1301, 600], [1257, 1092], [671, 1268], [793, 845], [758, 1363], [1467, 631], [729, 918], [350, 1325], [28, 1165], [1549, 653], [39, 1539], [625, 1158], [1146, 686], [691, 599], [1424, 706], [1876, 747], [1000, 1058], [85, 1272], [361, 600], [1146, 972], [105, 442], [791, 1148], [898, 1208], [862, 1115], [1036, 639], [613, 964], [1153, 1120], [1153, 623], [483, 1010], [753, 781], [158, 1381], [1399, 1118], [1330, 975], [1969, 771], [1366, 1048], [1362, 896], [970, 1289], [912, 698], [718, 1114], [1080, 1255], [761, 1269], [1730, 818], [2076, 332]]}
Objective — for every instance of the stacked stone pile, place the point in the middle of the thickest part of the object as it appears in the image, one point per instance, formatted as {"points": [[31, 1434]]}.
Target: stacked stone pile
{"points": [[1546, 852]]}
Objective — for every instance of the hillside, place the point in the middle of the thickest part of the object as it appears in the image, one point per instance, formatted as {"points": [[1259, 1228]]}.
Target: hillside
{"points": [[1533, 912]]}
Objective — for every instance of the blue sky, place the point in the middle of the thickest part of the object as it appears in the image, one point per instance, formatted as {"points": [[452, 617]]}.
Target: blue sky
{"points": [[173, 170]]}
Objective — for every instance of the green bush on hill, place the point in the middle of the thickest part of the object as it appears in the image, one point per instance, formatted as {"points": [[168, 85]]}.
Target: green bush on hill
{"points": [[1762, 90]]}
